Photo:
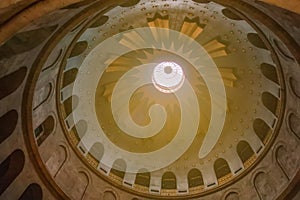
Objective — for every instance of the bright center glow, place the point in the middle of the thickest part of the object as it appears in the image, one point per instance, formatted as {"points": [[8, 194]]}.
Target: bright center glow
{"points": [[168, 77]]}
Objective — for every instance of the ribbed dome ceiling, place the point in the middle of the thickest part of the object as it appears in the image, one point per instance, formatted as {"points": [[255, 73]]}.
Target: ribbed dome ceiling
{"points": [[202, 135], [160, 99]]}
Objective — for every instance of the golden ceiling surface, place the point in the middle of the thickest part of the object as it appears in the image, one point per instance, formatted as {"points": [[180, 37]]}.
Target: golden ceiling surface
{"points": [[164, 94]]}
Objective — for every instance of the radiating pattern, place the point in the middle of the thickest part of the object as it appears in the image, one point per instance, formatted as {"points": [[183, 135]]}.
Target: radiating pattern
{"points": [[151, 129]]}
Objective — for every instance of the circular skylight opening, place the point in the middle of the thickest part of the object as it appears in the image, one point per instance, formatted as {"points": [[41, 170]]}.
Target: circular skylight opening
{"points": [[168, 77]]}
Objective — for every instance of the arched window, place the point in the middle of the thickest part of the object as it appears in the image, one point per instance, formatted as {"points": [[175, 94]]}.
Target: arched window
{"points": [[130, 3], [54, 62], [95, 154], [10, 82], [80, 129], [261, 129], [57, 160], [256, 40], [143, 179], [168, 181], [81, 185], [42, 95], [33, 191], [232, 196], [44, 130], [70, 104], [119, 168], [8, 124], [195, 178], [69, 76], [294, 123], [229, 13], [25, 41], [270, 102], [244, 151], [269, 71], [285, 161], [10, 168], [79, 48], [294, 86], [78, 186], [99, 22], [264, 185], [109, 195], [222, 169]]}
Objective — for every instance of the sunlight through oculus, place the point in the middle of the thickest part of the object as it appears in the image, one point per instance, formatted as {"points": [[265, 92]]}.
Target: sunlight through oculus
{"points": [[168, 77]]}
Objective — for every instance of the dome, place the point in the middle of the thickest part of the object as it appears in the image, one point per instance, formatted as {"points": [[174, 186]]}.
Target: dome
{"points": [[160, 99]]}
